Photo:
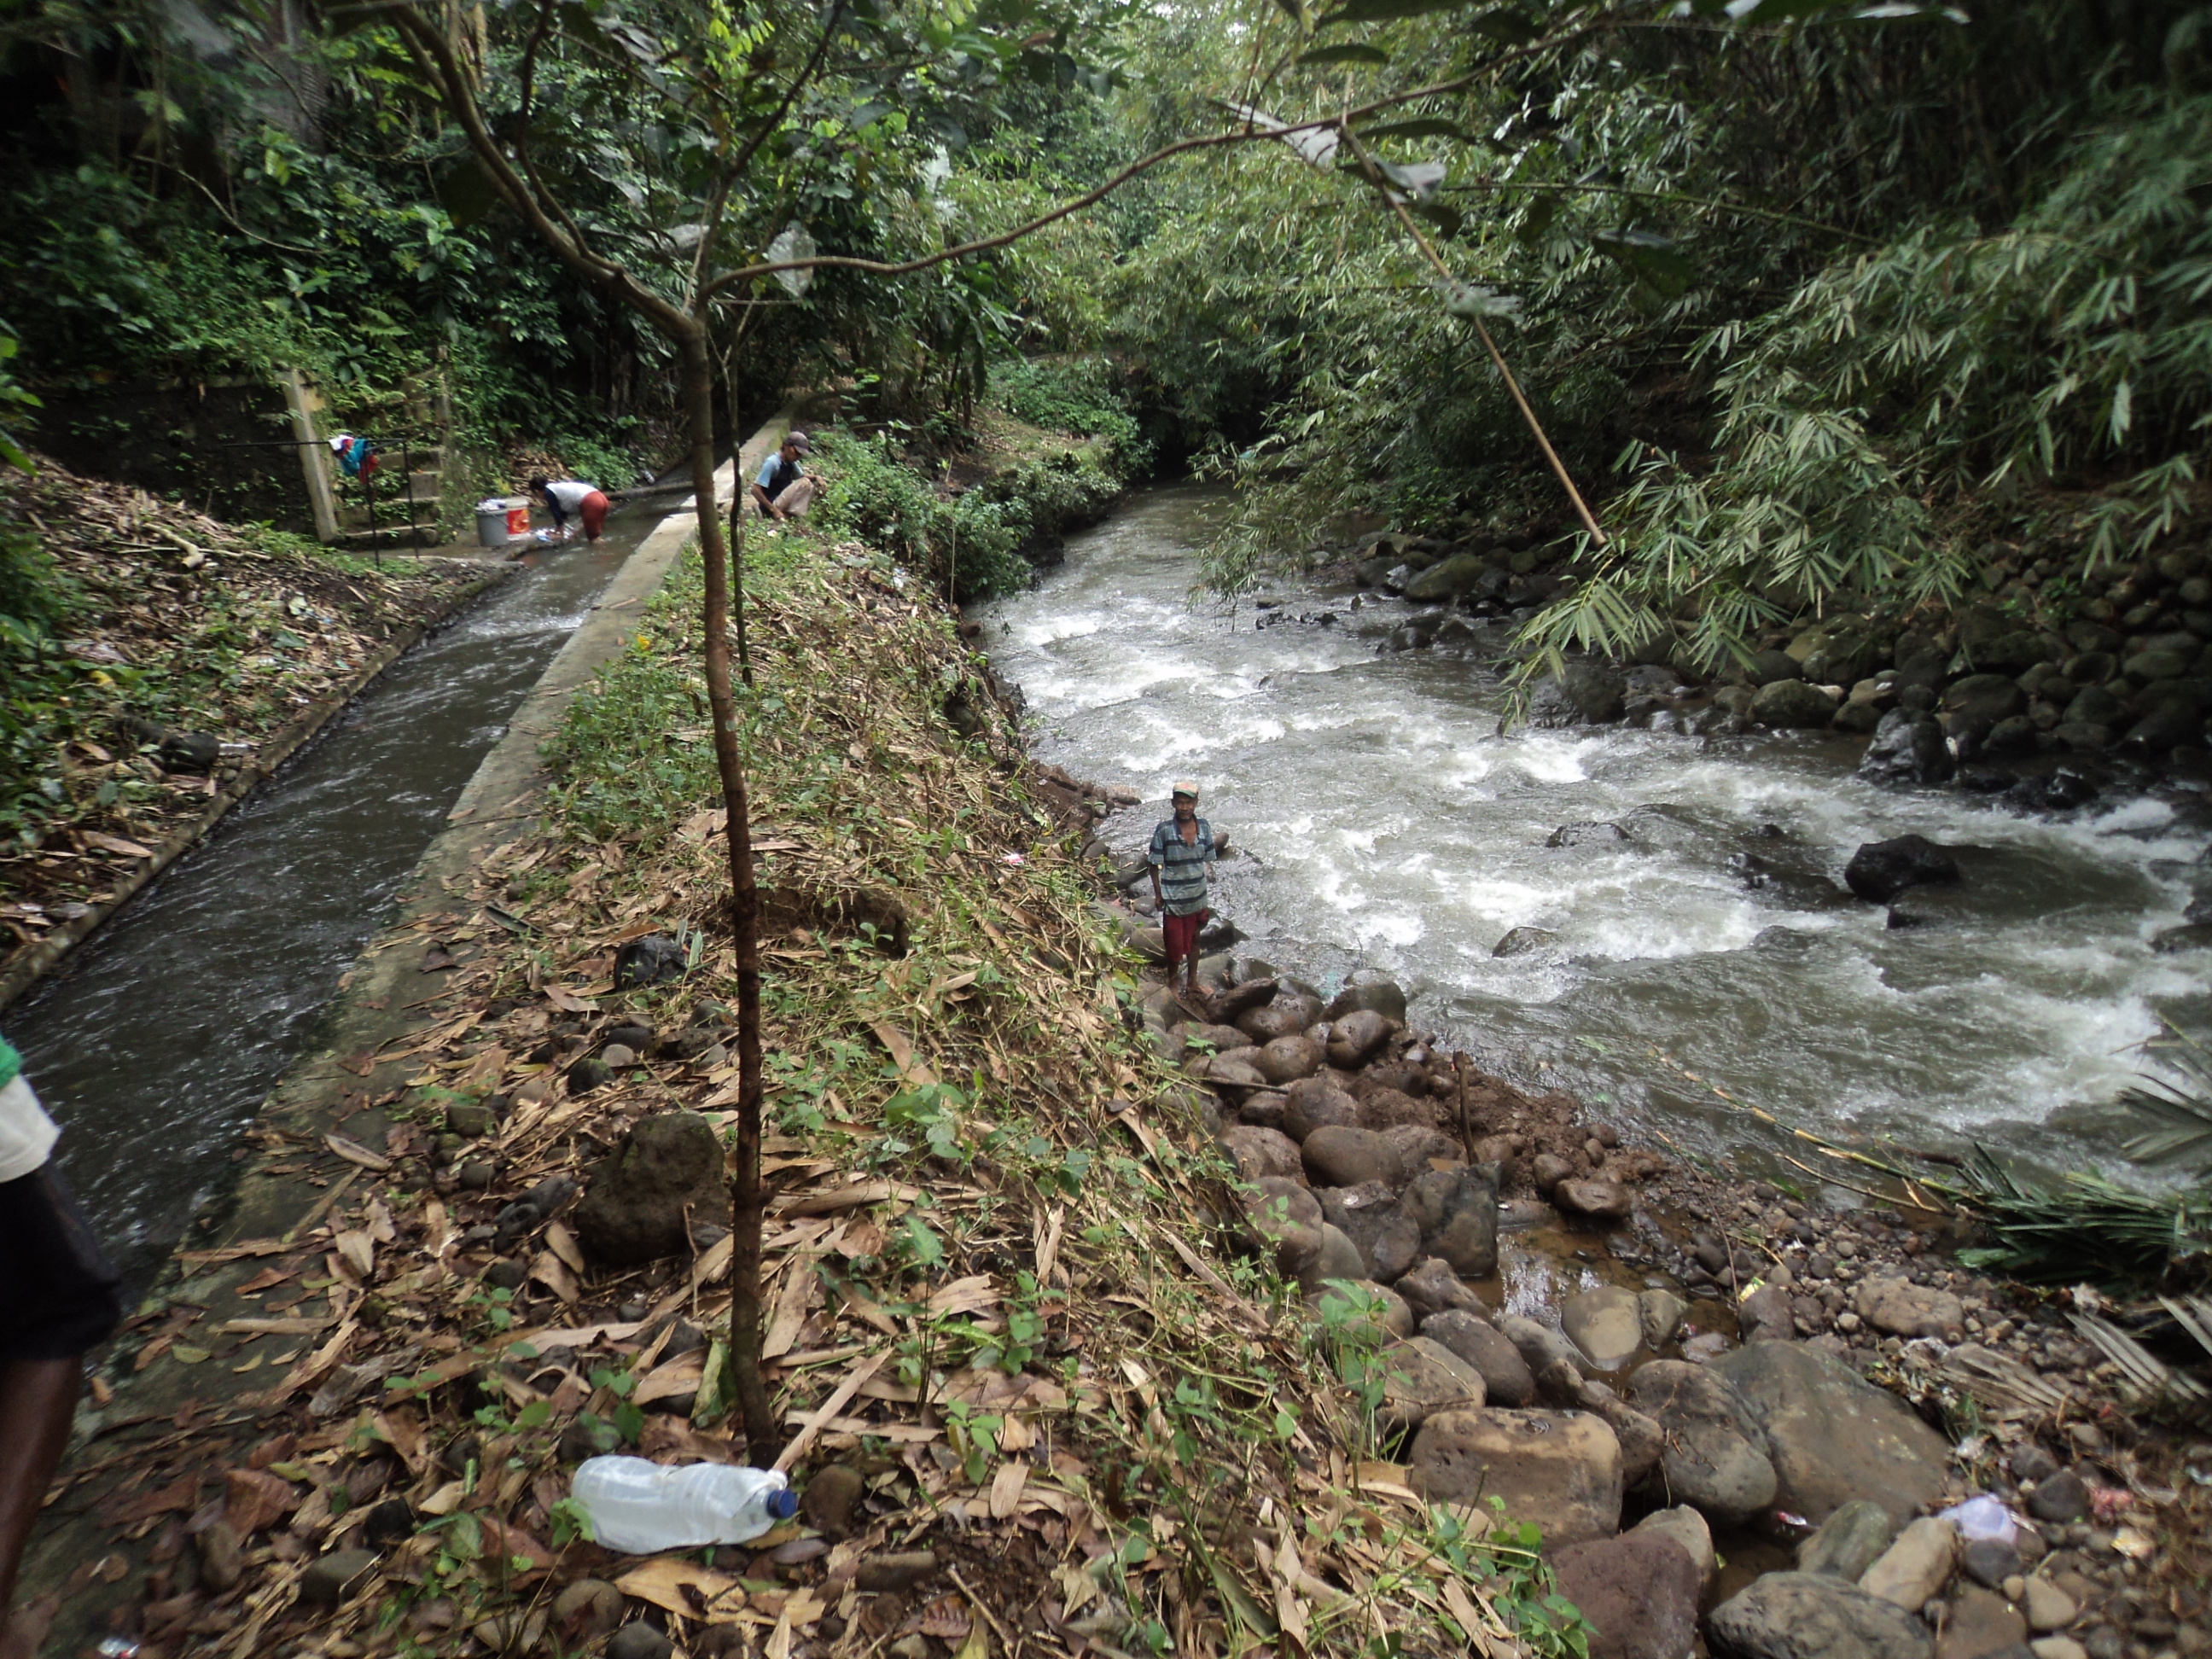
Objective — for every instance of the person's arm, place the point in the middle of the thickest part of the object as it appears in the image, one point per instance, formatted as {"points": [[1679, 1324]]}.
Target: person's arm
{"points": [[1155, 855]]}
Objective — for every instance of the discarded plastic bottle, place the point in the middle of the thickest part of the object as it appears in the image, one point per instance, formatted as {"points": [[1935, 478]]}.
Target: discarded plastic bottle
{"points": [[639, 1507]]}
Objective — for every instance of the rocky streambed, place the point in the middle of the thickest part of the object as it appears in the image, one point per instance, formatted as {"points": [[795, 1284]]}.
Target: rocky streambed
{"points": [[1733, 1415]]}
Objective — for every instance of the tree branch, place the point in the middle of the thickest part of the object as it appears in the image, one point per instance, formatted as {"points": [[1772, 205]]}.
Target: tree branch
{"points": [[1246, 135]]}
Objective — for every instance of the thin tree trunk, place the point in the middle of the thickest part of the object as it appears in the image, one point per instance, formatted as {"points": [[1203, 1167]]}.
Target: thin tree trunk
{"points": [[745, 914]]}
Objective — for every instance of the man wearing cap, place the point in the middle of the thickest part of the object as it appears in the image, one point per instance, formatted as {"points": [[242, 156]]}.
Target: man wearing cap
{"points": [[786, 489], [1182, 847]]}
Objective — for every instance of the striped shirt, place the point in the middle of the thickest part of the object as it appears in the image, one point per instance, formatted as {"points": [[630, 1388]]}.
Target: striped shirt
{"points": [[1181, 866]]}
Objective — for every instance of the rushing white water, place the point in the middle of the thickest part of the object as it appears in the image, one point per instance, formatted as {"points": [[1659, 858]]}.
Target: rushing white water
{"points": [[1392, 826]]}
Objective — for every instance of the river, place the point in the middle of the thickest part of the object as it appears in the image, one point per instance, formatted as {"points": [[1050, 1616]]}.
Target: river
{"points": [[156, 1043], [1388, 825]]}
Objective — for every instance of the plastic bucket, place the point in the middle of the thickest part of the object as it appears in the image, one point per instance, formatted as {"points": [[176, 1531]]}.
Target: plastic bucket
{"points": [[502, 521]]}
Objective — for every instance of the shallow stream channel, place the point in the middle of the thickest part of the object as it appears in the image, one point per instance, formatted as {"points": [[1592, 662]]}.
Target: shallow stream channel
{"points": [[1705, 956], [156, 1041]]}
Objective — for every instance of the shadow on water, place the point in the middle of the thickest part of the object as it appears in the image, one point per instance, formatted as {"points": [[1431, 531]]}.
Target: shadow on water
{"points": [[156, 1044]]}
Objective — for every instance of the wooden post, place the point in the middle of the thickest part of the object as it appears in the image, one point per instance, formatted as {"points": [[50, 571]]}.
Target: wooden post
{"points": [[303, 404]]}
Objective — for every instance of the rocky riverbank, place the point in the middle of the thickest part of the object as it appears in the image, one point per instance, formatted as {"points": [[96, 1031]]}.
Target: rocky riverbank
{"points": [[2043, 689], [1095, 1330], [1646, 1358]]}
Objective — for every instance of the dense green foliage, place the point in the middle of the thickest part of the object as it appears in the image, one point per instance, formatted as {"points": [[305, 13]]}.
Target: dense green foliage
{"points": [[978, 537]]}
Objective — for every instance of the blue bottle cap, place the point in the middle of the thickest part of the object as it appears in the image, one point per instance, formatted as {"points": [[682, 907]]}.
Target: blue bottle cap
{"points": [[783, 1503]]}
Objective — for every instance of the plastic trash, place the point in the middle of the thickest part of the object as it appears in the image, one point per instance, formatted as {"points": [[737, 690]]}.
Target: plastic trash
{"points": [[639, 1507], [1984, 1517]]}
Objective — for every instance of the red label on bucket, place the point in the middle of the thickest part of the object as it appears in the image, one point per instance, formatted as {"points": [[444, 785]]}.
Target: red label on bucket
{"points": [[518, 521]]}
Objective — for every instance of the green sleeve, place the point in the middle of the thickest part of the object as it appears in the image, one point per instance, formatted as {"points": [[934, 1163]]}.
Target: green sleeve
{"points": [[11, 1064]]}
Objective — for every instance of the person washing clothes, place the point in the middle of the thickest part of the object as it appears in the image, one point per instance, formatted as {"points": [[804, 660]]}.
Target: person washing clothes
{"points": [[784, 488], [58, 1301], [573, 497], [1182, 847]]}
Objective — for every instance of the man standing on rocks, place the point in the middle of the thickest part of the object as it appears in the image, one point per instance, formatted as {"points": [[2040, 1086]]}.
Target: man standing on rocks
{"points": [[1182, 847], [57, 1300]]}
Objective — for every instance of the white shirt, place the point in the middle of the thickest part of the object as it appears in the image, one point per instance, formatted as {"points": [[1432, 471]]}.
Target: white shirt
{"points": [[569, 493], [26, 1134]]}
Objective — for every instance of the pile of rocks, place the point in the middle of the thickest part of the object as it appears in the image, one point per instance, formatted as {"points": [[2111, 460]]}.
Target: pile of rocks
{"points": [[1380, 1173], [2121, 666]]}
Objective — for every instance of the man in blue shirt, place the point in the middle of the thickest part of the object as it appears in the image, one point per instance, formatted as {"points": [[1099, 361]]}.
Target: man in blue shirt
{"points": [[1182, 847], [784, 488]]}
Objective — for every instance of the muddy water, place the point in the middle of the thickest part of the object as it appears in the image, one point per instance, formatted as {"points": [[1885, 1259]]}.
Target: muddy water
{"points": [[1389, 826], [155, 1045]]}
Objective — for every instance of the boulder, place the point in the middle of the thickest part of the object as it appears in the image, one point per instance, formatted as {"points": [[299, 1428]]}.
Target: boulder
{"points": [[1907, 748], [1792, 704], [1288, 1058], [1374, 996], [1916, 1566], [1388, 1240], [1259, 1153], [1506, 1378], [1686, 1528], [1338, 1156], [1773, 667], [1978, 1625], [1881, 869], [1285, 1017], [1849, 1542], [2166, 725], [1604, 1324], [1311, 1104], [1421, 1377], [1375, 1313], [1582, 693], [1806, 1615], [644, 1200], [1973, 706], [1538, 1345], [1247, 996], [1588, 832], [1661, 1313], [1286, 1217], [2048, 1607], [1262, 1108], [1417, 1147], [1594, 1200], [1989, 1561], [2059, 1499], [1455, 1212], [1642, 1440], [1432, 1287], [1355, 1038], [1715, 1459], [653, 959], [1896, 1305], [1335, 1257], [1638, 1591], [1831, 1435], [1443, 582], [1560, 1470], [1524, 941]]}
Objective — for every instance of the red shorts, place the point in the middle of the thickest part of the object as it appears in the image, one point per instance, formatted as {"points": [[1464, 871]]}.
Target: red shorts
{"points": [[594, 509], [1181, 934]]}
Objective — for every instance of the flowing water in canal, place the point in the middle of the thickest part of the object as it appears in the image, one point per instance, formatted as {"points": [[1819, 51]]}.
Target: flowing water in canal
{"points": [[156, 1044], [1391, 827]]}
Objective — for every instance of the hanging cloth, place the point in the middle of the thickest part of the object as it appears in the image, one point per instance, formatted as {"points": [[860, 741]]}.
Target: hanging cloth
{"points": [[356, 457]]}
